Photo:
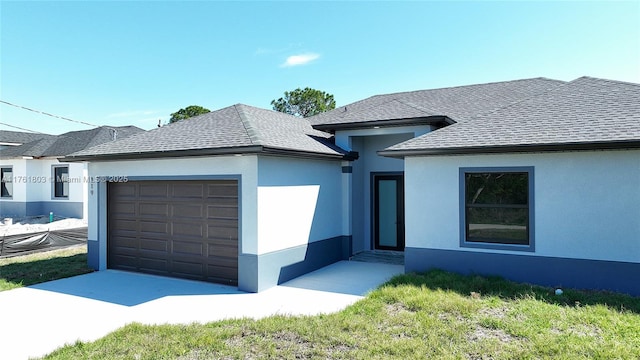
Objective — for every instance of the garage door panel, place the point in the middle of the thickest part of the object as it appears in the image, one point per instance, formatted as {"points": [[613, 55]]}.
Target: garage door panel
{"points": [[188, 248], [124, 190], [153, 263], [153, 227], [223, 251], [222, 233], [188, 191], [153, 189], [188, 267], [223, 212], [222, 188], [187, 210], [223, 201], [130, 242], [124, 209], [222, 273], [185, 229], [126, 225], [154, 209], [154, 245], [188, 229], [126, 261]]}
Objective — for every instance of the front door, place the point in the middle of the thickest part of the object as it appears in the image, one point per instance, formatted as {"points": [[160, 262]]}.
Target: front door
{"points": [[388, 212]]}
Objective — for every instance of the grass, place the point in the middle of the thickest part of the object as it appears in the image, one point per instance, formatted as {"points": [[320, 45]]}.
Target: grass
{"points": [[36, 268], [434, 315]]}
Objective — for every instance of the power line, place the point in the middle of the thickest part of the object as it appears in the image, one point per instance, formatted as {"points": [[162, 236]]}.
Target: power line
{"points": [[17, 127], [47, 114]]}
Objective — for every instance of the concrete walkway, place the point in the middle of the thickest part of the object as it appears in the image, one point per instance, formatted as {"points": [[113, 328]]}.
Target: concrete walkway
{"points": [[39, 319]]}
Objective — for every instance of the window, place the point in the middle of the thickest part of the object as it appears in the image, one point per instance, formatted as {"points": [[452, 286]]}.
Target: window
{"points": [[60, 181], [496, 209], [6, 174]]}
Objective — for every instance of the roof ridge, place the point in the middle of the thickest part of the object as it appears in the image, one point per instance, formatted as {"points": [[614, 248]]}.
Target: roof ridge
{"points": [[560, 86], [464, 86], [249, 127], [418, 107], [605, 80]]}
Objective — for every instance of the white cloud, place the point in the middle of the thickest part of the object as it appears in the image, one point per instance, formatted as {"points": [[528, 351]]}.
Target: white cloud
{"points": [[302, 59]]}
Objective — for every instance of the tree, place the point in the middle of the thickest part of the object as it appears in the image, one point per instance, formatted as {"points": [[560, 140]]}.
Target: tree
{"points": [[189, 111], [304, 102]]}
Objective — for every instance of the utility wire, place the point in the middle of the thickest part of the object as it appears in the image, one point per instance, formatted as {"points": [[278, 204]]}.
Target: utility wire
{"points": [[17, 127], [47, 114]]}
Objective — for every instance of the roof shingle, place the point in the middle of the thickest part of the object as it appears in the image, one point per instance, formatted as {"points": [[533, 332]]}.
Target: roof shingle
{"points": [[584, 111], [18, 137], [67, 143], [458, 103], [236, 128]]}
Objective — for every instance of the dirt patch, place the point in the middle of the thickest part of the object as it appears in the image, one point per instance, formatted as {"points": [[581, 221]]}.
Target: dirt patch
{"points": [[580, 331], [396, 309], [496, 313], [483, 333], [287, 344]]}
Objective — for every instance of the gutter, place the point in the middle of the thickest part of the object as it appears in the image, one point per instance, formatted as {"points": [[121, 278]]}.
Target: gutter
{"points": [[609, 145]]}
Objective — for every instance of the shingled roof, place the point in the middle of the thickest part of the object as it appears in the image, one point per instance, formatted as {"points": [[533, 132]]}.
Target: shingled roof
{"points": [[231, 130], [15, 138], [586, 113], [445, 105], [70, 142]]}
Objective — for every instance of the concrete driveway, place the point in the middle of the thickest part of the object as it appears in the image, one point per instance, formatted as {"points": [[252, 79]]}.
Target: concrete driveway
{"points": [[39, 319]]}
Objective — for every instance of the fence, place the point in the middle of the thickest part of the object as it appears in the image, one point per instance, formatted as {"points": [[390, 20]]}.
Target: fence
{"points": [[11, 245]]}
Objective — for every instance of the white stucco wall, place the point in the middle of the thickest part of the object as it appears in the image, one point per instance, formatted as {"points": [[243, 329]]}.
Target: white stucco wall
{"points": [[587, 204], [33, 182], [245, 166], [43, 191], [299, 201], [19, 167]]}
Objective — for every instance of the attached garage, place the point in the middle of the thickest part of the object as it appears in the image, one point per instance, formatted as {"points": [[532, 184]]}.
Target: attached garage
{"points": [[183, 228]]}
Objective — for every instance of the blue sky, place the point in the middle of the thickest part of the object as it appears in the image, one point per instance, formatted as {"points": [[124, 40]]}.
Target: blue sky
{"points": [[133, 63]]}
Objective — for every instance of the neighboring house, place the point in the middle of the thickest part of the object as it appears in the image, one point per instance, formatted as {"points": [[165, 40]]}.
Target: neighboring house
{"points": [[536, 180], [17, 138], [34, 182]]}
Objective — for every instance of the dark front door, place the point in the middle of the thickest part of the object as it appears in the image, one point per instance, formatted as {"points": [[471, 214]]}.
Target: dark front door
{"points": [[388, 212]]}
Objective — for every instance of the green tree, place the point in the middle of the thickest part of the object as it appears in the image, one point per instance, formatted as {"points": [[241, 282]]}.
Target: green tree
{"points": [[304, 102], [189, 111]]}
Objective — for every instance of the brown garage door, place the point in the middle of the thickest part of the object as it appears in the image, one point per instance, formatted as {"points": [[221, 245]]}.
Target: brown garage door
{"points": [[186, 229]]}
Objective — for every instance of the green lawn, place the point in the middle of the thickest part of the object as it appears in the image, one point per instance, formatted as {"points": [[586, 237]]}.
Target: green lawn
{"points": [[36, 268], [435, 315]]}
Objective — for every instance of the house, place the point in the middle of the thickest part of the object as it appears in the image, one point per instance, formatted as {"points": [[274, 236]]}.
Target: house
{"points": [[545, 190], [536, 180], [35, 183], [17, 138]]}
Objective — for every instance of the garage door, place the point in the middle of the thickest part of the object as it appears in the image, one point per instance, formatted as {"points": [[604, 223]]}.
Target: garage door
{"points": [[186, 229]]}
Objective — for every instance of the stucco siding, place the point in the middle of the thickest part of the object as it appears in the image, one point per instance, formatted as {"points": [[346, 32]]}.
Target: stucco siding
{"points": [[299, 201], [587, 204], [33, 189]]}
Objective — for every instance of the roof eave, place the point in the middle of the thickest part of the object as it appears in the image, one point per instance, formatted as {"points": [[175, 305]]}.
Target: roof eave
{"points": [[430, 120], [525, 148], [210, 152], [164, 154], [349, 156]]}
